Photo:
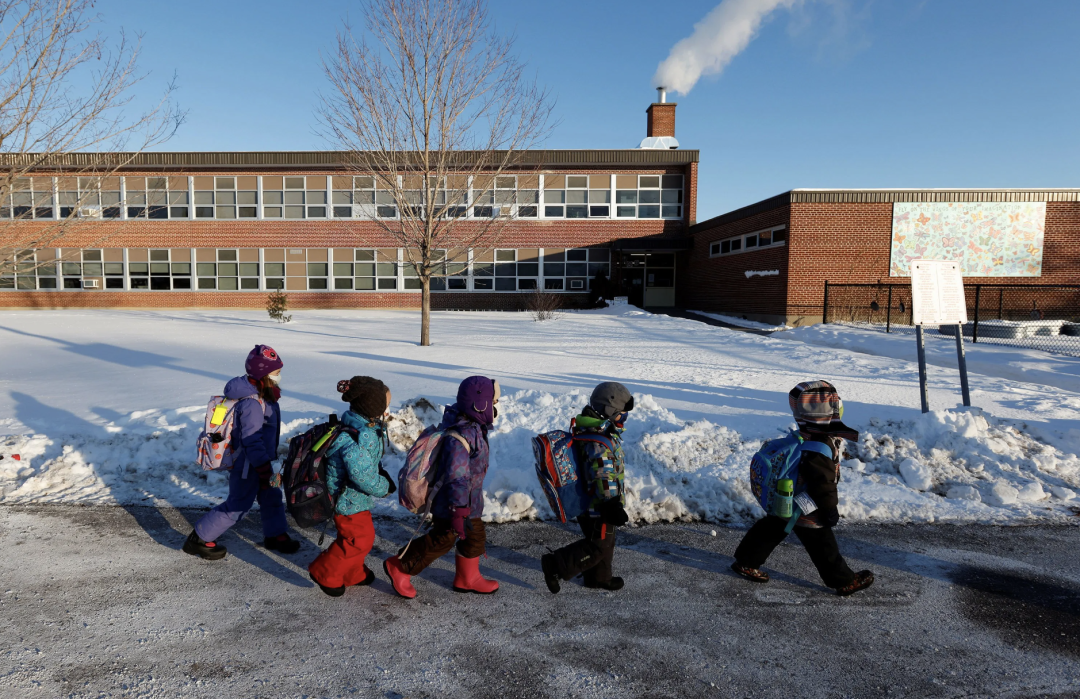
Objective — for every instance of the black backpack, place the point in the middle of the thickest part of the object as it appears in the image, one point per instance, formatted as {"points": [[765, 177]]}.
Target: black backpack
{"points": [[303, 475]]}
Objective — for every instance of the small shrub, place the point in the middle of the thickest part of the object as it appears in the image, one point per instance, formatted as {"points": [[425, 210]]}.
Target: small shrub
{"points": [[277, 303], [543, 305]]}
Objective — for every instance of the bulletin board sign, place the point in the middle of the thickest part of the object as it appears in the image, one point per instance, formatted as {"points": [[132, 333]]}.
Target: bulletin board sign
{"points": [[937, 293]]}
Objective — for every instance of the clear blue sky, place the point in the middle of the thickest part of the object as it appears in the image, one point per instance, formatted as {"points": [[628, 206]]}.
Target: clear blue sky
{"points": [[836, 93]]}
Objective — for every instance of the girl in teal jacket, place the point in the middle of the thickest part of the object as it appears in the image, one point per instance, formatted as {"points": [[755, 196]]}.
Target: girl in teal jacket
{"points": [[355, 478]]}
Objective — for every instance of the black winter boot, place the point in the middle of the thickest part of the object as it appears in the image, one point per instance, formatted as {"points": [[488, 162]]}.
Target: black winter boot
{"points": [[203, 549], [615, 583], [551, 574], [863, 579], [368, 579], [332, 591], [282, 543], [754, 574]]}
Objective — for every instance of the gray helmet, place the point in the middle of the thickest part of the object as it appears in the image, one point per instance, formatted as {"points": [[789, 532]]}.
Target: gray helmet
{"points": [[611, 398]]}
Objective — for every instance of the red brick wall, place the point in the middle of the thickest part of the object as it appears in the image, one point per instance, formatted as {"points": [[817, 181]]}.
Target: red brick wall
{"points": [[660, 119], [852, 242], [720, 285], [338, 233], [690, 207]]}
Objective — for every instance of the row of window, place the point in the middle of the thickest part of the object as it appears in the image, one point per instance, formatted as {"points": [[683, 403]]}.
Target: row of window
{"points": [[753, 241], [315, 269], [301, 197]]}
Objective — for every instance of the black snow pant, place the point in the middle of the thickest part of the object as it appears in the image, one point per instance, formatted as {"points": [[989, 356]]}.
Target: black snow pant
{"points": [[590, 557], [766, 535]]}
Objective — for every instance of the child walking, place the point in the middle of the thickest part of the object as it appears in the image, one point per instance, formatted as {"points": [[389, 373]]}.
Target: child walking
{"points": [[355, 477], [459, 503], [602, 468], [818, 411], [257, 431]]}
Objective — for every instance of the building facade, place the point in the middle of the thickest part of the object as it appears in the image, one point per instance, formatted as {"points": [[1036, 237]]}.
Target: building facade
{"points": [[769, 261], [197, 230]]}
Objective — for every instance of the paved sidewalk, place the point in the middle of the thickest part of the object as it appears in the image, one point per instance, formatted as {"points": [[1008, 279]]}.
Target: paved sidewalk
{"points": [[100, 601]]}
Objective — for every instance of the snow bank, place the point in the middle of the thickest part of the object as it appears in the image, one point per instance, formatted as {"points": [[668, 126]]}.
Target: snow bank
{"points": [[947, 465], [740, 322]]}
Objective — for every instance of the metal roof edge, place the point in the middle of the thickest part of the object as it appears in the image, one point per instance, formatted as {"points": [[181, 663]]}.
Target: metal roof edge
{"points": [[336, 159], [883, 196]]}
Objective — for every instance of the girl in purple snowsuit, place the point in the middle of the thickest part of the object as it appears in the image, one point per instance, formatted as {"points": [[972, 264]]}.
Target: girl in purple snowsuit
{"points": [[256, 435], [459, 503]]}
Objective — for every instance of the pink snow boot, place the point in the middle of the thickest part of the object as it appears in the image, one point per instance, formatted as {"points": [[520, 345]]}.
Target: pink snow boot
{"points": [[398, 578], [468, 578]]}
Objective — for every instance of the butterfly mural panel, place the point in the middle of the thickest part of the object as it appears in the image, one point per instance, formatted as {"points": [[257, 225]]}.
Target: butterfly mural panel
{"points": [[988, 239]]}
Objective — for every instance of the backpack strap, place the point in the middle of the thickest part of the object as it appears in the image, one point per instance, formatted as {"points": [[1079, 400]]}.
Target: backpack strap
{"points": [[597, 438], [817, 447], [459, 437]]}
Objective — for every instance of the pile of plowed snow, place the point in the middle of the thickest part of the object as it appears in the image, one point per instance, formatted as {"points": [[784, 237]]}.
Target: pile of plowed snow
{"points": [[956, 466]]}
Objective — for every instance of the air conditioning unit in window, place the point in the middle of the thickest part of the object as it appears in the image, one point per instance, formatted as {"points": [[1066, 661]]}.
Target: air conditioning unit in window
{"points": [[90, 283], [89, 212]]}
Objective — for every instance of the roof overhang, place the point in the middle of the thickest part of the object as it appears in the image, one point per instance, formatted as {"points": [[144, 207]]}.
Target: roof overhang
{"points": [[342, 160], [652, 244]]}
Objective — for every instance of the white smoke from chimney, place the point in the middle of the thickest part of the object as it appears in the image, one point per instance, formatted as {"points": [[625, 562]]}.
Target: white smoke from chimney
{"points": [[717, 39]]}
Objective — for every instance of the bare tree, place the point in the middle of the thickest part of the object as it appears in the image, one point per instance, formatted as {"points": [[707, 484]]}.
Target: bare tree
{"points": [[440, 113], [65, 92]]}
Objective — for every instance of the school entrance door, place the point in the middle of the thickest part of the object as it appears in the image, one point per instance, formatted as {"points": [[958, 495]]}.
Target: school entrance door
{"points": [[648, 278]]}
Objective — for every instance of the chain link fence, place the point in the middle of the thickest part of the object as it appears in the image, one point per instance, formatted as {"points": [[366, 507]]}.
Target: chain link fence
{"points": [[1038, 316]]}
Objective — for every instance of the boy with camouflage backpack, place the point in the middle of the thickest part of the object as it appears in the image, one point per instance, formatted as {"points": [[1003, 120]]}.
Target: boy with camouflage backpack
{"points": [[818, 411], [601, 467]]}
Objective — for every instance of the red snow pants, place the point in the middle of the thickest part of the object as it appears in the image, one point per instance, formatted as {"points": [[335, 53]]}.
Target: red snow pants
{"points": [[342, 564]]}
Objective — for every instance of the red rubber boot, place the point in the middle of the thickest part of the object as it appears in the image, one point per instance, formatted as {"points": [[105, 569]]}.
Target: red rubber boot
{"points": [[468, 578], [398, 578]]}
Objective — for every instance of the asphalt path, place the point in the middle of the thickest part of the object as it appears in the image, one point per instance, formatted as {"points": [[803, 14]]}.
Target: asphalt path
{"points": [[100, 601]]}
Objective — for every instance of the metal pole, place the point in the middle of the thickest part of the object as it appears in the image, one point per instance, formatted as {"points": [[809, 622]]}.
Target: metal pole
{"points": [[975, 324], [888, 311], [825, 305], [923, 392], [961, 359]]}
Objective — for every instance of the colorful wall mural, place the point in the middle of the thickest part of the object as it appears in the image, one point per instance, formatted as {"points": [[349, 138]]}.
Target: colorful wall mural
{"points": [[1000, 239]]}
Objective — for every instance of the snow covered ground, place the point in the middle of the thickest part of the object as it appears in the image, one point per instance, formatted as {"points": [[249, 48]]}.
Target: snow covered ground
{"points": [[104, 406]]}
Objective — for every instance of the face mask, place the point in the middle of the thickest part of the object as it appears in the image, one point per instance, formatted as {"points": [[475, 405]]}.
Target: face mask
{"points": [[274, 379]]}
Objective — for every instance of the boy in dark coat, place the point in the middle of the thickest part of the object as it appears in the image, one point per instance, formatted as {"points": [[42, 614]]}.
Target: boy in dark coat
{"points": [[459, 504], [817, 410], [603, 470]]}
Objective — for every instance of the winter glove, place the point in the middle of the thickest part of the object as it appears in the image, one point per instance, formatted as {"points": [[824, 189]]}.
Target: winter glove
{"points": [[393, 488], [459, 521], [828, 516], [612, 512], [267, 476]]}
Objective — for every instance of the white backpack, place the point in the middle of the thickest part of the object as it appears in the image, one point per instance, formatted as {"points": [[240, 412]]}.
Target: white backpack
{"points": [[216, 452]]}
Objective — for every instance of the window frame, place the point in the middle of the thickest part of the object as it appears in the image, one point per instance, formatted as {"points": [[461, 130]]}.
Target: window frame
{"points": [[716, 247]]}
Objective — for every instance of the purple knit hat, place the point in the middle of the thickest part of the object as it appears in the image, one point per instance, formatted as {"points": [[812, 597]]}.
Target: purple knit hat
{"points": [[261, 361], [476, 397]]}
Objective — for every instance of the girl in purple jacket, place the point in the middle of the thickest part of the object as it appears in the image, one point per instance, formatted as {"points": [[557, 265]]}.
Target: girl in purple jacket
{"points": [[257, 431], [459, 503]]}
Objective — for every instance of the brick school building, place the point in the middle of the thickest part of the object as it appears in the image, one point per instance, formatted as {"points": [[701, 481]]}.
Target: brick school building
{"points": [[769, 261], [222, 229]]}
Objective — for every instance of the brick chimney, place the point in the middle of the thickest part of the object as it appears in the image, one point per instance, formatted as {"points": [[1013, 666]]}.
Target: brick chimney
{"points": [[661, 116]]}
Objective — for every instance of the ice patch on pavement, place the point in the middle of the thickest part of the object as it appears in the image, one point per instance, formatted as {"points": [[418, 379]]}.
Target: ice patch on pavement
{"points": [[945, 465]]}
